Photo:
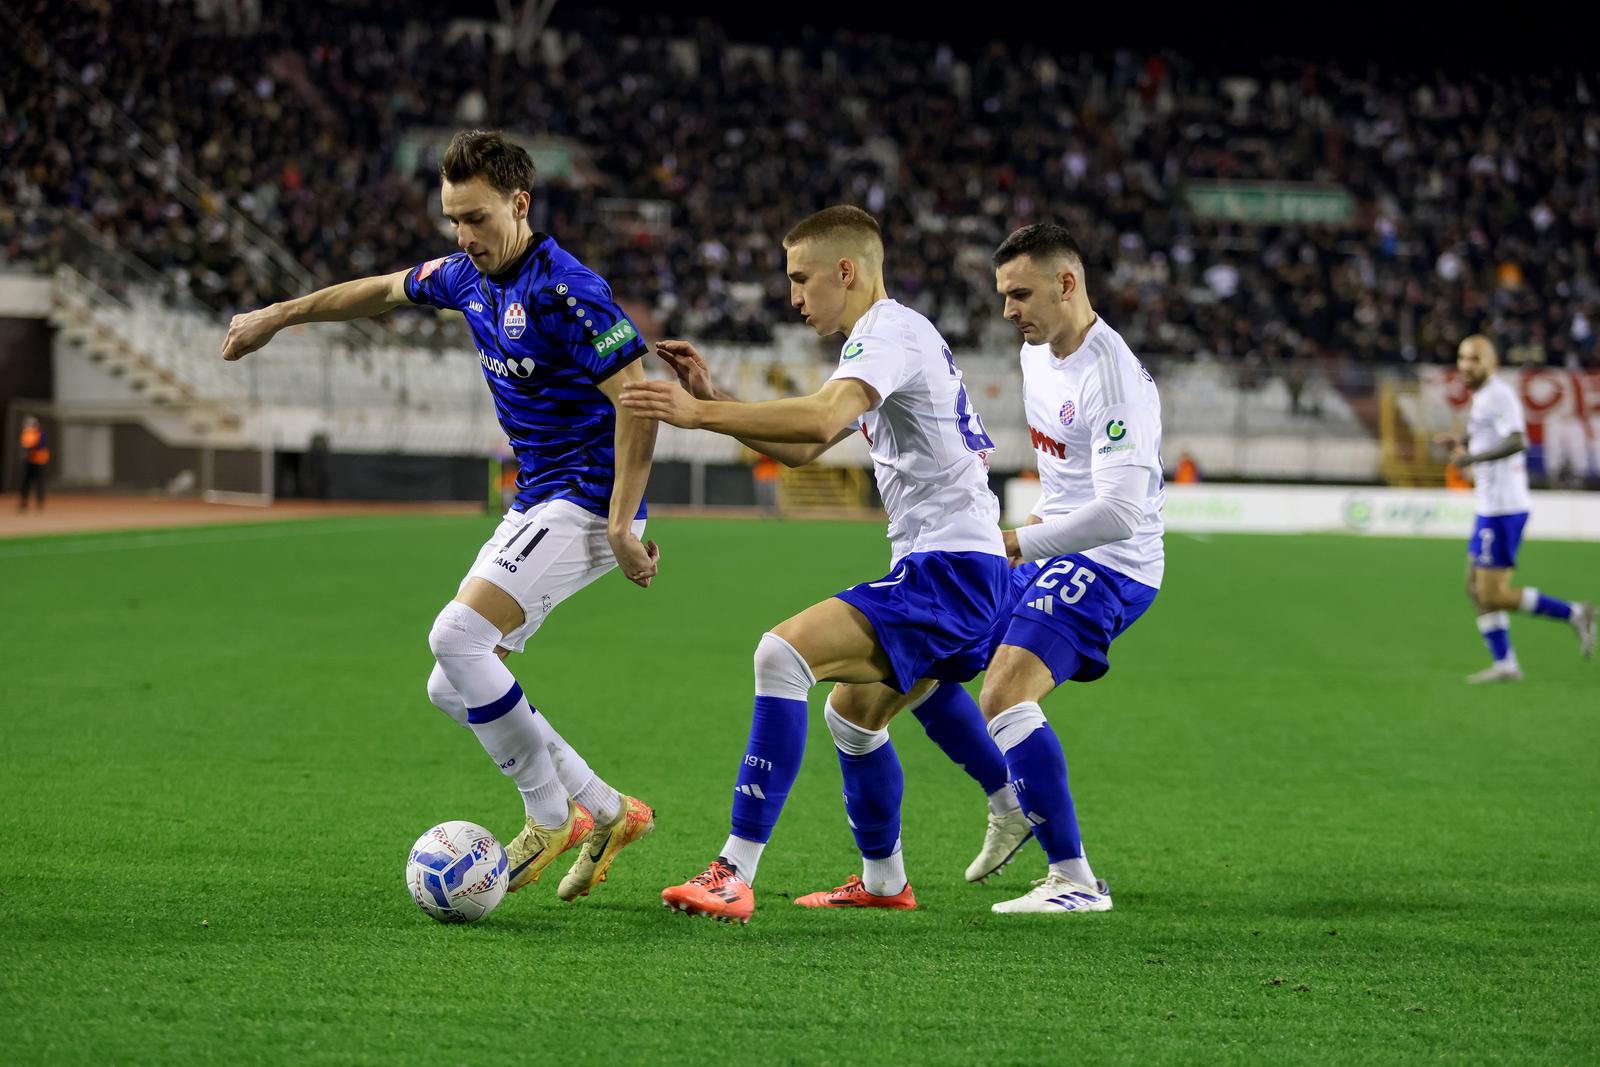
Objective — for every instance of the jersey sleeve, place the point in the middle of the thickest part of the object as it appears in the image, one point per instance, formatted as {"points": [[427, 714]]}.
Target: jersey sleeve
{"points": [[1123, 428], [577, 314], [875, 360], [1508, 417], [439, 282]]}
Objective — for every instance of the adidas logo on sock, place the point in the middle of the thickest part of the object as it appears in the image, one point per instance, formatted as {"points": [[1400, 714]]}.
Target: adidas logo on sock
{"points": [[751, 791], [1045, 604]]}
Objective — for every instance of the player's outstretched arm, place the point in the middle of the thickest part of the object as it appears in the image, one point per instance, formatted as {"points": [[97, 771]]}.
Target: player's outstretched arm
{"points": [[359, 299], [695, 377], [635, 447], [816, 419]]}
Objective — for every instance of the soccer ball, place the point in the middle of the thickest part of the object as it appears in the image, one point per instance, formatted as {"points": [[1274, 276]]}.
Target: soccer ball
{"points": [[457, 872]]}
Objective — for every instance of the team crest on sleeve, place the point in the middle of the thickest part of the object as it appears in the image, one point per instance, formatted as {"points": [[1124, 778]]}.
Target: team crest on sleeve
{"points": [[516, 320], [429, 267], [1068, 413]]}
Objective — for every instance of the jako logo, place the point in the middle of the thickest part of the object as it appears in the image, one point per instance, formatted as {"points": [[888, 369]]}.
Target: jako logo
{"points": [[513, 368], [512, 567], [1045, 443], [508, 764], [515, 321]]}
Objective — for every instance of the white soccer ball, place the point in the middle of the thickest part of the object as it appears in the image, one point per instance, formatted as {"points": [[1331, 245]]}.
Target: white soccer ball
{"points": [[457, 872]]}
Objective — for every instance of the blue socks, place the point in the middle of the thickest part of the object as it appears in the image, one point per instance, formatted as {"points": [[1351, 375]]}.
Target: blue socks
{"points": [[953, 722], [874, 785], [1536, 603], [1039, 774], [771, 762]]}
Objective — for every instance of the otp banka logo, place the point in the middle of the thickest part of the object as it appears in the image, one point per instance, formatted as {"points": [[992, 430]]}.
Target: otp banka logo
{"points": [[508, 368]]}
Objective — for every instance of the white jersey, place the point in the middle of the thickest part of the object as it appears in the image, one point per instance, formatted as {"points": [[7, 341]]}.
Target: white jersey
{"points": [[927, 443], [1501, 485], [1097, 408]]}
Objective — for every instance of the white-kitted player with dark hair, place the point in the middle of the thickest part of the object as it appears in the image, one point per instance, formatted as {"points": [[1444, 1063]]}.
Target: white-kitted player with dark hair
{"points": [[1094, 417]]}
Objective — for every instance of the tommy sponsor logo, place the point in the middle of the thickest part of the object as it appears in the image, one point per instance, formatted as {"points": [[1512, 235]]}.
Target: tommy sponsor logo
{"points": [[515, 321], [614, 337], [508, 368], [1043, 442]]}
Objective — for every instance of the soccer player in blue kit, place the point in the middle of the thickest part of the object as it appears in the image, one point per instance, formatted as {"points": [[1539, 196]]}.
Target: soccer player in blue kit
{"points": [[555, 350]]}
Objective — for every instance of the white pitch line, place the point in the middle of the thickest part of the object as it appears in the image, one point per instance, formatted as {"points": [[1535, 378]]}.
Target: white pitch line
{"points": [[211, 535]]}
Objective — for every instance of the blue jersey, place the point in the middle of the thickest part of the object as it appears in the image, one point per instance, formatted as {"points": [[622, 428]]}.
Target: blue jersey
{"points": [[548, 332]]}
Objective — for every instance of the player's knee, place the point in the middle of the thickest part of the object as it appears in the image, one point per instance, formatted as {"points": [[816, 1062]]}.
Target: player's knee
{"points": [[443, 696], [458, 631], [780, 670]]}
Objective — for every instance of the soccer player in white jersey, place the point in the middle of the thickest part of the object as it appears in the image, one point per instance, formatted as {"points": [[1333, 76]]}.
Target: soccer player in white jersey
{"points": [[1095, 420], [1496, 441], [885, 642], [555, 351]]}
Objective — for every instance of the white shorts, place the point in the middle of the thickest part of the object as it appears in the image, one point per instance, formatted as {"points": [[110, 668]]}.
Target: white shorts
{"points": [[542, 556]]}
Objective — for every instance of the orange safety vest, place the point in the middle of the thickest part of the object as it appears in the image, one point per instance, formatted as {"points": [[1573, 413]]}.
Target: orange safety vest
{"points": [[32, 444], [1188, 472]]}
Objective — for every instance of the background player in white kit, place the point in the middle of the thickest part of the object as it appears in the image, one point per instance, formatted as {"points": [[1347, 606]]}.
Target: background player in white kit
{"points": [[1496, 440], [1094, 417], [883, 641]]}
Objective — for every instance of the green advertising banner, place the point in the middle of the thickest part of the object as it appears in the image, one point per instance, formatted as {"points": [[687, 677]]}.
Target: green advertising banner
{"points": [[1271, 203]]}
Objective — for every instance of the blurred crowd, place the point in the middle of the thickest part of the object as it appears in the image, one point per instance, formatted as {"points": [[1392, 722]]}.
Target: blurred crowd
{"points": [[1476, 199]]}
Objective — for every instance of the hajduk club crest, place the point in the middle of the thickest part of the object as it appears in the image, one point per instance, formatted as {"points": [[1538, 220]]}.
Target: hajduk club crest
{"points": [[1067, 412]]}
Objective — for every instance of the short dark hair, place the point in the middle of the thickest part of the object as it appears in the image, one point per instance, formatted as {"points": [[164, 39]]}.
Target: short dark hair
{"points": [[1041, 240], [839, 220], [507, 167]]}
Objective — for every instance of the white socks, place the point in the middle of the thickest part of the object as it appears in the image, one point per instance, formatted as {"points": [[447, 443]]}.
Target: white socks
{"points": [[885, 877], [463, 642], [1075, 870], [1003, 801], [744, 857]]}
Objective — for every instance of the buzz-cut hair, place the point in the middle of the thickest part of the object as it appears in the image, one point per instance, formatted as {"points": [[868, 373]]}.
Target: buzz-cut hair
{"points": [[840, 221], [507, 167], [1042, 240]]}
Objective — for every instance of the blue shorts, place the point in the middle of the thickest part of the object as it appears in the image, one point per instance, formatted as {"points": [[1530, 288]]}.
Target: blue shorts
{"points": [[933, 614], [1495, 540], [1068, 611]]}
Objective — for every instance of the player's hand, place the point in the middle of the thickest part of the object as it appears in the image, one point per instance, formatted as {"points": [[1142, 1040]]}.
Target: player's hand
{"points": [[663, 402], [690, 367], [1458, 457], [639, 562], [250, 331], [1013, 549]]}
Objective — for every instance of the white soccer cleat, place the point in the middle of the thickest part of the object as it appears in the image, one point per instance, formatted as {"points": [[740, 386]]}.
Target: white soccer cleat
{"points": [[1054, 894], [1500, 672], [1583, 621], [1002, 841]]}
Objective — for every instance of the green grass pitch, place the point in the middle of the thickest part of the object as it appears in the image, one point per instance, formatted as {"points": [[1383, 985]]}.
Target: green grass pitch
{"points": [[215, 749]]}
